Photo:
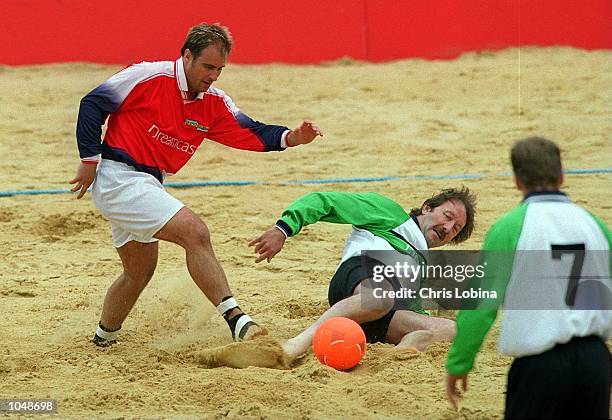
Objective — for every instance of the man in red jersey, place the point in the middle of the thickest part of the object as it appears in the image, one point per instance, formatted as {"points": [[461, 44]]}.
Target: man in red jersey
{"points": [[158, 115]]}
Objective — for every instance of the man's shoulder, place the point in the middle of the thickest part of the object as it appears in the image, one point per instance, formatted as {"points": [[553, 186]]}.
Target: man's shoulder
{"points": [[220, 95], [215, 91], [379, 196], [149, 69], [507, 227], [378, 199], [511, 217], [216, 94]]}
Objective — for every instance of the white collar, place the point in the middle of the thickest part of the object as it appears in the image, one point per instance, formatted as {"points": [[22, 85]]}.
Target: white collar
{"points": [[412, 232], [181, 80]]}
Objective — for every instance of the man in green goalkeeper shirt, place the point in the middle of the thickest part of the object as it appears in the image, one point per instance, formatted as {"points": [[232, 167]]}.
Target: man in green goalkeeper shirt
{"points": [[556, 292], [379, 223]]}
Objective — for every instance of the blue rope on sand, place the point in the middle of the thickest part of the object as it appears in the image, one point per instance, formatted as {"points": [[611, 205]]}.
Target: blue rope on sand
{"points": [[191, 184]]}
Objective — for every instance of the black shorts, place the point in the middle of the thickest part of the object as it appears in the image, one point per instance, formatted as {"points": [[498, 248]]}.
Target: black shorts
{"points": [[348, 276], [570, 380]]}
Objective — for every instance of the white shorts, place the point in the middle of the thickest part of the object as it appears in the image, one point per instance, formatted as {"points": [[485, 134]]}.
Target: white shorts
{"points": [[136, 203]]}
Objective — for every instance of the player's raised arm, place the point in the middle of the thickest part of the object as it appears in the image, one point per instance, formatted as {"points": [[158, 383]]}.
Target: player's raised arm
{"points": [[304, 134], [234, 128]]}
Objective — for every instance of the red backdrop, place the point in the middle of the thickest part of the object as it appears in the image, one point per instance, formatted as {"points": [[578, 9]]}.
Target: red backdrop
{"points": [[295, 31]]}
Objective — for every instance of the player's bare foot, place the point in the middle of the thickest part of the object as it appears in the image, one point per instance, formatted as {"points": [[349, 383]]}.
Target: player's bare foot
{"points": [[413, 344], [293, 349], [420, 340]]}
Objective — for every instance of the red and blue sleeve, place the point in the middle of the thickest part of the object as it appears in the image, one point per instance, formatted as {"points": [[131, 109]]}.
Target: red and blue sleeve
{"points": [[93, 111], [235, 129], [105, 99]]}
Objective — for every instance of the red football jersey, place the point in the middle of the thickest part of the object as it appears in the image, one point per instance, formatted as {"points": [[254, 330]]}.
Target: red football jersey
{"points": [[154, 127]]}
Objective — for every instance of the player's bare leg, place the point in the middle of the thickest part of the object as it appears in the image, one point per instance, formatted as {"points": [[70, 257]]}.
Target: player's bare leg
{"points": [[412, 332], [187, 230], [139, 261], [354, 307], [414, 342]]}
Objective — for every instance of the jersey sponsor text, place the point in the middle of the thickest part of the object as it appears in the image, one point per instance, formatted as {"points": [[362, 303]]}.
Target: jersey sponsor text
{"points": [[170, 141]]}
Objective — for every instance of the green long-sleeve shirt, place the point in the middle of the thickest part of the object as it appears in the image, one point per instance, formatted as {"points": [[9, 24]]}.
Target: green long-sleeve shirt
{"points": [[379, 223]]}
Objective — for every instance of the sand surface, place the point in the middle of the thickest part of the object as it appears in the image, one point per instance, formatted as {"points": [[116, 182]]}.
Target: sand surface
{"points": [[404, 118]]}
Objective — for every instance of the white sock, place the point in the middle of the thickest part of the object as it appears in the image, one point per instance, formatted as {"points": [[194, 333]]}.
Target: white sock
{"points": [[107, 335]]}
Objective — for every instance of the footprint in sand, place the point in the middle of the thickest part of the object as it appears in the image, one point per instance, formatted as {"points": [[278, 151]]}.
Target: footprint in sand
{"points": [[261, 352]]}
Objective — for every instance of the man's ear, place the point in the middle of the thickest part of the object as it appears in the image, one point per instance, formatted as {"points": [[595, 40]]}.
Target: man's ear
{"points": [[187, 54], [425, 208], [520, 186]]}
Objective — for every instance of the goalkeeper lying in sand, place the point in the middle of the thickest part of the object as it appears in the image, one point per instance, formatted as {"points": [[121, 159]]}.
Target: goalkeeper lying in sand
{"points": [[378, 223]]}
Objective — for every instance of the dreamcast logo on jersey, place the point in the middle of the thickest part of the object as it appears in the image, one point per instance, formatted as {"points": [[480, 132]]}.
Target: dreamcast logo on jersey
{"points": [[170, 141], [196, 124]]}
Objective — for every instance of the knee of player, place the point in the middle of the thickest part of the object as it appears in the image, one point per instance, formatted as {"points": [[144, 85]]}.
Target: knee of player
{"points": [[140, 276], [447, 329], [451, 329], [376, 313], [377, 299], [197, 234], [378, 307]]}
